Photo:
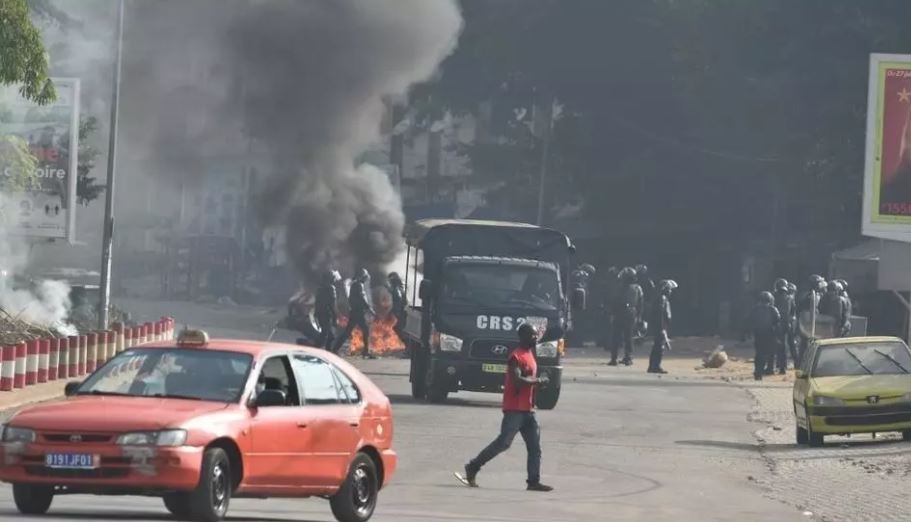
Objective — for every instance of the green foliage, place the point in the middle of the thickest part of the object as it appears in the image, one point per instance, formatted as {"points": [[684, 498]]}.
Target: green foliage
{"points": [[22, 55], [15, 156], [87, 189]]}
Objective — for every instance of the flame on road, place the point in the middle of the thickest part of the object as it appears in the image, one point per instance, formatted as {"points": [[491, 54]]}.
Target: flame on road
{"points": [[383, 339]]}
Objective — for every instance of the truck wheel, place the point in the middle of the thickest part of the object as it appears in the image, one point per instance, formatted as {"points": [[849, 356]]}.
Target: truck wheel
{"points": [[547, 398], [418, 379], [31, 499], [436, 392]]}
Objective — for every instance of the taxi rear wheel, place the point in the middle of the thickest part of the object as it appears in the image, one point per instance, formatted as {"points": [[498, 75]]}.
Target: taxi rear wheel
{"points": [[31, 499], [356, 500], [209, 501]]}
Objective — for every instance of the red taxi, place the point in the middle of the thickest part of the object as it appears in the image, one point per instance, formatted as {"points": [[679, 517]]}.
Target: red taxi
{"points": [[199, 422]]}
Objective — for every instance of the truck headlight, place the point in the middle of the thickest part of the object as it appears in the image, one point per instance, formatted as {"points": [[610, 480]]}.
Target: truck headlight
{"points": [[548, 350], [450, 343], [12, 434], [153, 438], [820, 400]]}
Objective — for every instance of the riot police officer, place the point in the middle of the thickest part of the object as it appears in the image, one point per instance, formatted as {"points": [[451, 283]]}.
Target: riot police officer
{"points": [[849, 305], [646, 283], [628, 308], [792, 332], [659, 322], [808, 300], [833, 304], [785, 305], [608, 290], [360, 308], [325, 308], [766, 323], [397, 291]]}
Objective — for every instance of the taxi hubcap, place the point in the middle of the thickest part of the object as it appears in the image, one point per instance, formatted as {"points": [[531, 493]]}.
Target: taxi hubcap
{"points": [[219, 487], [362, 489]]}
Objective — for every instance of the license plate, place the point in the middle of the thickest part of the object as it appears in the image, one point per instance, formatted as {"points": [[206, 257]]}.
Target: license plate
{"points": [[71, 460], [493, 368]]}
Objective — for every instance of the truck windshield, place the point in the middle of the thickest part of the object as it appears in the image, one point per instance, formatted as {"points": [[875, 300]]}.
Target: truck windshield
{"points": [[501, 285]]}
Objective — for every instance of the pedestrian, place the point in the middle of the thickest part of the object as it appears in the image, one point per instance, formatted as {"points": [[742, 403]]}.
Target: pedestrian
{"points": [[518, 413], [627, 315], [325, 309], [647, 285], [805, 307], [834, 305], [765, 321], [659, 323], [609, 288], [792, 331], [849, 305], [397, 292], [360, 309]]}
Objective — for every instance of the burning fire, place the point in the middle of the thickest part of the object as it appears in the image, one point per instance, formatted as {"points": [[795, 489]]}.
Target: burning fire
{"points": [[383, 339]]}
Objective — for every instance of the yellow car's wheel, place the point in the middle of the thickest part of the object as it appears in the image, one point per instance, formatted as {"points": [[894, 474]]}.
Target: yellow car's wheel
{"points": [[802, 436], [816, 440]]}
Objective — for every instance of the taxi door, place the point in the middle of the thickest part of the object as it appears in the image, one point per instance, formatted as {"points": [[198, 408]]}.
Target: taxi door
{"points": [[281, 436], [336, 419]]}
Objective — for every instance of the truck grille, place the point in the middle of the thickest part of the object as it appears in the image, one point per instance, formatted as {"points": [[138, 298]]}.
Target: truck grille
{"points": [[491, 350]]}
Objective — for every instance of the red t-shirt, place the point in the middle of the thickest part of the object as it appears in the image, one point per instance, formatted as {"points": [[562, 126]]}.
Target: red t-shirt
{"points": [[518, 396]]}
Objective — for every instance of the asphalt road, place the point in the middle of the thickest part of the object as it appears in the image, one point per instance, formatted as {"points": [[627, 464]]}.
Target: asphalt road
{"points": [[622, 446]]}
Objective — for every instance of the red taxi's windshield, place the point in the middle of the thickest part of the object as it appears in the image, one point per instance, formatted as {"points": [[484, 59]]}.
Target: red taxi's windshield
{"points": [[185, 373]]}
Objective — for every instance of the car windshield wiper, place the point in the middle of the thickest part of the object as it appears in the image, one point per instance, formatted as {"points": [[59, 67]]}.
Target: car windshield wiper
{"points": [[176, 396], [856, 358], [893, 361]]}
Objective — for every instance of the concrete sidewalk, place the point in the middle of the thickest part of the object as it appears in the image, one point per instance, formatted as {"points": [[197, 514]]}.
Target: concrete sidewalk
{"points": [[34, 394]]}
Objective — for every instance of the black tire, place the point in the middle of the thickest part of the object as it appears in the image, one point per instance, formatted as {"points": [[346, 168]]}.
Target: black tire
{"points": [[546, 398], [437, 393], [816, 440], [178, 504], [33, 499], [209, 501], [906, 435], [356, 500], [418, 371], [802, 436]]}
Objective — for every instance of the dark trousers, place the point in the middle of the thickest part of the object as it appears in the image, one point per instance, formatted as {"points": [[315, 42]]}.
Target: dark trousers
{"points": [[623, 330], [779, 355], [523, 422], [765, 348], [327, 332], [355, 321], [654, 360]]}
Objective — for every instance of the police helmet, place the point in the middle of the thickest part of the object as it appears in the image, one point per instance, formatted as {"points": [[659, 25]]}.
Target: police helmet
{"points": [[528, 336], [766, 298], [781, 284], [628, 274], [332, 276], [362, 276], [588, 268], [395, 278], [641, 270], [843, 283], [792, 288], [817, 282], [833, 286], [667, 286]]}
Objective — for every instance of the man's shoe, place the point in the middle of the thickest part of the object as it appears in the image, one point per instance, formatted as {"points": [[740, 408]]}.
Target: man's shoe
{"points": [[627, 361], [537, 486], [662, 371], [613, 362], [468, 478]]}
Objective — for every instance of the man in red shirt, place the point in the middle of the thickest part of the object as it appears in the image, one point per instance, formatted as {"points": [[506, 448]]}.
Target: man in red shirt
{"points": [[518, 413]]}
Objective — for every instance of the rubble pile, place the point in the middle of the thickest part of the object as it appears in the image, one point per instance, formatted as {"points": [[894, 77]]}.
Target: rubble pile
{"points": [[14, 330]]}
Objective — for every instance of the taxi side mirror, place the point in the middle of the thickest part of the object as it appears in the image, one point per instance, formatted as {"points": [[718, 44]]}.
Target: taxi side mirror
{"points": [[799, 374], [71, 388]]}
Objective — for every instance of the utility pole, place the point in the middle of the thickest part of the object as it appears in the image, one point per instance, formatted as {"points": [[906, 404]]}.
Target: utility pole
{"points": [[108, 237], [547, 107]]}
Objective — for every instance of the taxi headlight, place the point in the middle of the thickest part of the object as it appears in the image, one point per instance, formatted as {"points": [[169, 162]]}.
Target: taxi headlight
{"points": [[450, 343], [153, 438], [12, 434], [820, 400], [548, 349]]}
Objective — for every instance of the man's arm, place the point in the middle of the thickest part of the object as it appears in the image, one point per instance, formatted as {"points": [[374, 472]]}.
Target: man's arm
{"points": [[529, 380]]}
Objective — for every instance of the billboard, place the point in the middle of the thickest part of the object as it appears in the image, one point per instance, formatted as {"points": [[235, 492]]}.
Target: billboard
{"points": [[46, 209]]}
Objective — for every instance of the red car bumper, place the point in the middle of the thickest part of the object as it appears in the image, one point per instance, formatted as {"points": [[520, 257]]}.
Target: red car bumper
{"points": [[390, 461], [115, 468]]}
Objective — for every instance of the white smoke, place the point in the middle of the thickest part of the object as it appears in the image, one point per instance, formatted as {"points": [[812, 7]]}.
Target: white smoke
{"points": [[43, 303]]}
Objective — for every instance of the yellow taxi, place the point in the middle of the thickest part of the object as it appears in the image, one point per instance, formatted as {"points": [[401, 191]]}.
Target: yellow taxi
{"points": [[853, 385]]}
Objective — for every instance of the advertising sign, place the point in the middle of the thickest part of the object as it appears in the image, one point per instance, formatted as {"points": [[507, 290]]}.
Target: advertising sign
{"points": [[46, 209]]}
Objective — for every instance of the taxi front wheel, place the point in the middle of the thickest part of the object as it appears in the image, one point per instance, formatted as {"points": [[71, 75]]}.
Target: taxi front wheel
{"points": [[356, 499], [32, 499], [209, 501]]}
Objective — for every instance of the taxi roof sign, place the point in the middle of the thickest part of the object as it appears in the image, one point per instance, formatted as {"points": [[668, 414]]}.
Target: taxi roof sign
{"points": [[188, 337]]}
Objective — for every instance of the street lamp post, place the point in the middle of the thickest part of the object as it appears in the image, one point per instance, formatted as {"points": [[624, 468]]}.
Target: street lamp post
{"points": [[108, 234]]}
